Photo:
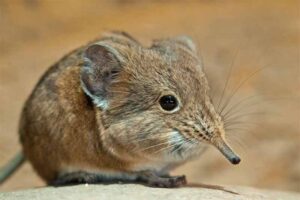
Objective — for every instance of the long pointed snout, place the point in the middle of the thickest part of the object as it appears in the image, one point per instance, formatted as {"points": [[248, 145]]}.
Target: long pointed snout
{"points": [[226, 150]]}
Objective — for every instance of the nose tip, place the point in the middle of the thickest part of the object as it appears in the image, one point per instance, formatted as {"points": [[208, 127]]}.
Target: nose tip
{"points": [[235, 160], [226, 150]]}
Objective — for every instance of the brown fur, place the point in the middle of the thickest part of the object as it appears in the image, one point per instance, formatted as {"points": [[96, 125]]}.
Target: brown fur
{"points": [[61, 128]]}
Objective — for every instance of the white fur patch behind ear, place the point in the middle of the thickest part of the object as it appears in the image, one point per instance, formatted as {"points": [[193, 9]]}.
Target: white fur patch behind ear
{"points": [[103, 104], [98, 101]]}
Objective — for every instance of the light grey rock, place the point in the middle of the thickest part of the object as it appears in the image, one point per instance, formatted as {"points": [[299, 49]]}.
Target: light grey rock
{"points": [[139, 192]]}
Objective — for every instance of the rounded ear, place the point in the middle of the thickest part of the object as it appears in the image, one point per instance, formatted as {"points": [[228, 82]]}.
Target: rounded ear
{"points": [[183, 41], [187, 42], [102, 65], [122, 38]]}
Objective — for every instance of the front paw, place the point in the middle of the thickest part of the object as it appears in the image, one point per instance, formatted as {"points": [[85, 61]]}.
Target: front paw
{"points": [[171, 182]]}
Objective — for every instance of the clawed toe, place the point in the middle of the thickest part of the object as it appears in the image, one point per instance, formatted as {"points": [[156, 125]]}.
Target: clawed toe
{"points": [[171, 182]]}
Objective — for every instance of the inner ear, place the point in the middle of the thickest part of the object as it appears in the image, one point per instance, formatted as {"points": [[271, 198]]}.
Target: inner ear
{"points": [[102, 65]]}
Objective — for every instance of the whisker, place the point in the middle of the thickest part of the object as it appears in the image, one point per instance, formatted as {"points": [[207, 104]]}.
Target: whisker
{"points": [[240, 85], [236, 140], [179, 146], [165, 148], [227, 125], [162, 143], [231, 130], [250, 104], [233, 117], [236, 105], [156, 145], [240, 122], [228, 76], [259, 62], [149, 138]]}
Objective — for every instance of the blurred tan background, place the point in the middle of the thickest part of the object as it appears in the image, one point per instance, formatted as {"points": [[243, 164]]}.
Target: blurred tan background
{"points": [[247, 35]]}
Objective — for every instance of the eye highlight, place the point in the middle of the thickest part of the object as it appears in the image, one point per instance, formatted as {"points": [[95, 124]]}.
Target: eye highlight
{"points": [[168, 102]]}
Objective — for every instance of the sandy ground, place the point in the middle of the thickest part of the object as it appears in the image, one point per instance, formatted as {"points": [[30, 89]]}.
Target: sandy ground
{"points": [[122, 192], [246, 34]]}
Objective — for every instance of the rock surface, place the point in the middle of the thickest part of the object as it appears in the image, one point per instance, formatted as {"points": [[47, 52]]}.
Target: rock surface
{"points": [[139, 192]]}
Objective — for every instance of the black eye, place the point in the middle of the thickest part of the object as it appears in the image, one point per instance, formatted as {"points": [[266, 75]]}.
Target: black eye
{"points": [[168, 102]]}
